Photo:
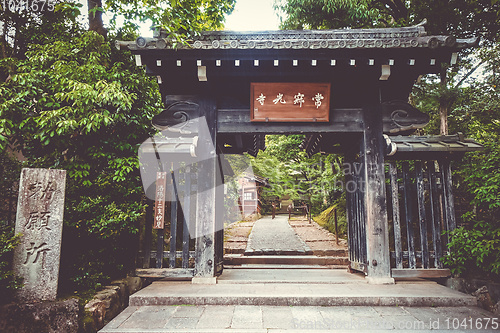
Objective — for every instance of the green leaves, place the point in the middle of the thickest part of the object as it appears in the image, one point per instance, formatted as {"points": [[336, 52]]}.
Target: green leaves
{"points": [[8, 281], [474, 249], [82, 106], [292, 174]]}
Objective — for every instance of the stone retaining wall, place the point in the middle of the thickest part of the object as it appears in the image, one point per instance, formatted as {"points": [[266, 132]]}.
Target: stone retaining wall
{"points": [[109, 302], [487, 292], [68, 316]]}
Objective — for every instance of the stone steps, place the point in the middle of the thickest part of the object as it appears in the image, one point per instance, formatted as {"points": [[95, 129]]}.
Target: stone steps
{"points": [[344, 292], [285, 260]]}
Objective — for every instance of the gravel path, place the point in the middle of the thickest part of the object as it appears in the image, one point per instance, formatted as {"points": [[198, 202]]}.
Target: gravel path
{"points": [[275, 236]]}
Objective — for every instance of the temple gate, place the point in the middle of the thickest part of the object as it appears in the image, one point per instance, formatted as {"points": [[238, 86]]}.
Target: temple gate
{"points": [[346, 90]]}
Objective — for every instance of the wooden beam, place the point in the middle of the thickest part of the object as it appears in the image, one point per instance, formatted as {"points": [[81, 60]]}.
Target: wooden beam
{"points": [[451, 222], [237, 121], [436, 223], [420, 273], [186, 210], [166, 273]]}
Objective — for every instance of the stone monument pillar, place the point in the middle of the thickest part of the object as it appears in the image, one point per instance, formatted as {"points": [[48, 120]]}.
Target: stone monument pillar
{"points": [[39, 219]]}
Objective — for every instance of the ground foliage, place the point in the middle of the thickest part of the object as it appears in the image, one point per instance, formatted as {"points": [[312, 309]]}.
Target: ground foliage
{"points": [[326, 218]]}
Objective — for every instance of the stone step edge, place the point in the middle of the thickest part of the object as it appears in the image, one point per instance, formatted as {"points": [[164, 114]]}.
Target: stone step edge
{"points": [[449, 301], [260, 252], [292, 260], [320, 253], [270, 266]]}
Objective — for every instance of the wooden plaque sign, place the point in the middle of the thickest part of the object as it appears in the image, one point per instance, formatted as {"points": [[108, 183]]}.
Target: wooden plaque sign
{"points": [[161, 180], [290, 102]]}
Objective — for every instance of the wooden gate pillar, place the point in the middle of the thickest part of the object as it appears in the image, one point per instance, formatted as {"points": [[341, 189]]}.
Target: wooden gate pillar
{"points": [[377, 234], [207, 200]]}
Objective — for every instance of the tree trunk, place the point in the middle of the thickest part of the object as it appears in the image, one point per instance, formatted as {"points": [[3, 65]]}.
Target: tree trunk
{"points": [[95, 17]]}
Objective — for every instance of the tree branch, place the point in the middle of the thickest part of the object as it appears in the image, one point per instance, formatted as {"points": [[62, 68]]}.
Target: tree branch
{"points": [[468, 74]]}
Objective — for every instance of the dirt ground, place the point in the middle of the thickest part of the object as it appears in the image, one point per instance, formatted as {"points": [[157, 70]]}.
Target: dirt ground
{"points": [[320, 240], [236, 237]]}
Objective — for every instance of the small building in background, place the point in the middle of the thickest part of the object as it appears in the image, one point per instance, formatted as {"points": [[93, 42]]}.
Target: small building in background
{"points": [[250, 189]]}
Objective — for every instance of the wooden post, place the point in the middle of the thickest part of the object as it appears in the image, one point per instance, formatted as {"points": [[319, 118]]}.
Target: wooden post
{"points": [[377, 234], [421, 214], [436, 222], [451, 223], [148, 233], [336, 230], [393, 171], [173, 218], [206, 196], [186, 211]]}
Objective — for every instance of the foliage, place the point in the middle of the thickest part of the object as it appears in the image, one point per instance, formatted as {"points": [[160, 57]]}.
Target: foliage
{"points": [[329, 14], [8, 281], [293, 174], [181, 19], [82, 106], [465, 104], [327, 218], [70, 100], [468, 19], [10, 170], [475, 251], [280, 182], [476, 114], [21, 27], [9, 175]]}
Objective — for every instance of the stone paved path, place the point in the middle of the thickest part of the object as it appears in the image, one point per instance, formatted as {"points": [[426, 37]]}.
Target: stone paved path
{"points": [[267, 319], [275, 236]]}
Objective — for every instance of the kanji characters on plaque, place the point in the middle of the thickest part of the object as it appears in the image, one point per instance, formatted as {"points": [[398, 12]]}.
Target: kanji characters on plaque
{"points": [[159, 219], [290, 102], [297, 99]]}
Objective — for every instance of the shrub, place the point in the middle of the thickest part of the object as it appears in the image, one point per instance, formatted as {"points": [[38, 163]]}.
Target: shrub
{"points": [[9, 282], [327, 218], [476, 251]]}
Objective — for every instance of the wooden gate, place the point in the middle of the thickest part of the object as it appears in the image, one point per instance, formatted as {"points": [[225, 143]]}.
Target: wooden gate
{"points": [[355, 209], [173, 246], [421, 213]]}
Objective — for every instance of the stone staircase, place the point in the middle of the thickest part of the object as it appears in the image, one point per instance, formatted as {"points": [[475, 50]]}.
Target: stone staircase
{"points": [[282, 261]]}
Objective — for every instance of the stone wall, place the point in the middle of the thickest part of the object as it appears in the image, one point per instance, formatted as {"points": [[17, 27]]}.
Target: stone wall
{"points": [[109, 302], [487, 292], [69, 316]]}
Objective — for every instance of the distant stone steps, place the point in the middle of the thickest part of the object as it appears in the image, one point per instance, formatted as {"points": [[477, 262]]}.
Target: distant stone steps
{"points": [[285, 260]]}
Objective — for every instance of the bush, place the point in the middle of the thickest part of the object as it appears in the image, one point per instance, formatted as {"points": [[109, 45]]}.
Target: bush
{"points": [[9, 282], [327, 218], [475, 252]]}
